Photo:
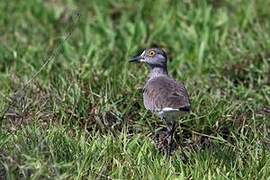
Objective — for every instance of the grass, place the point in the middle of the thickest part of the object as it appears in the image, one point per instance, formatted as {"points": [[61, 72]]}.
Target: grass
{"points": [[83, 117]]}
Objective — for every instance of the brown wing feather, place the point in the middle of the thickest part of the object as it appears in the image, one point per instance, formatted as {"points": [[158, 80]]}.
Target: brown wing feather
{"points": [[163, 91]]}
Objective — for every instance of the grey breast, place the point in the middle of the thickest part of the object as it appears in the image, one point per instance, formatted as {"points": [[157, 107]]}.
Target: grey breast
{"points": [[164, 92]]}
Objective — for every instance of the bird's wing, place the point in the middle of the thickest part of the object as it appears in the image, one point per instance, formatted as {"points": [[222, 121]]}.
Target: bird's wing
{"points": [[164, 92]]}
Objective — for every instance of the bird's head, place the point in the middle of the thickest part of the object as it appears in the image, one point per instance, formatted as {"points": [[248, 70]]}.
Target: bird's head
{"points": [[153, 57]]}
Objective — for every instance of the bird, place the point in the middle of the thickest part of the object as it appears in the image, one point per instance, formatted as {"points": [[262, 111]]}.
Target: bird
{"points": [[162, 94]]}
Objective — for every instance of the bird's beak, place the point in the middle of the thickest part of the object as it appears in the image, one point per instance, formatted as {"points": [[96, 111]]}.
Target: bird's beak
{"points": [[137, 59]]}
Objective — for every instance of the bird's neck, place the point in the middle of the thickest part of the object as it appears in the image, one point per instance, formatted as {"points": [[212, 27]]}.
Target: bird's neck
{"points": [[158, 71]]}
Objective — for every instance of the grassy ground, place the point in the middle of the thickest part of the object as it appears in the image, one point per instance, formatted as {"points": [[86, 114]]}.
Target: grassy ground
{"points": [[83, 117]]}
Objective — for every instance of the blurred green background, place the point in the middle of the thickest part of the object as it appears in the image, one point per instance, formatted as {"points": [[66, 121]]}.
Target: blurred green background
{"points": [[82, 116]]}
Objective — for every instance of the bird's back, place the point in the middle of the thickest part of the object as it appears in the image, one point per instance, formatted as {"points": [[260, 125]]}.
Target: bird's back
{"points": [[162, 93]]}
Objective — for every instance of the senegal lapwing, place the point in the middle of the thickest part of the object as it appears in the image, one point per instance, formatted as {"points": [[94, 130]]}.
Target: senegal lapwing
{"points": [[163, 95]]}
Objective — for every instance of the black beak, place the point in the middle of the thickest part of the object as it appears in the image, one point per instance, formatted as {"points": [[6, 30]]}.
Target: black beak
{"points": [[136, 59]]}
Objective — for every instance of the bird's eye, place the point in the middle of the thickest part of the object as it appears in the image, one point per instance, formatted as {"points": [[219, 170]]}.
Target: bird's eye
{"points": [[151, 53]]}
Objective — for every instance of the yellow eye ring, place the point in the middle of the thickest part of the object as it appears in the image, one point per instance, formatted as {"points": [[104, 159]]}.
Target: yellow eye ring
{"points": [[151, 53]]}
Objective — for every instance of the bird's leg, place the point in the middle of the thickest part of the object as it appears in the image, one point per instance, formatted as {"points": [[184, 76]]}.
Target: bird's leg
{"points": [[171, 136]]}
